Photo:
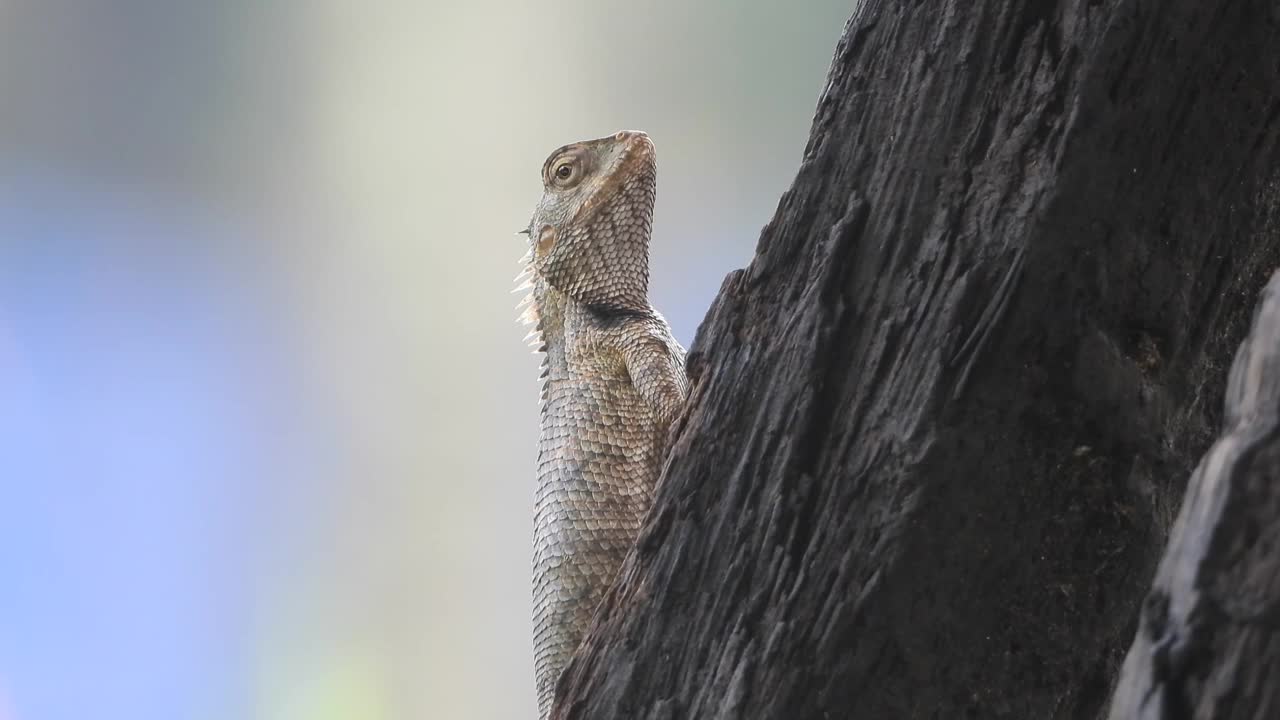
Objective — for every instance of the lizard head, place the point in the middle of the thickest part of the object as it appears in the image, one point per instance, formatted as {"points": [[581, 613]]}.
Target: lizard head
{"points": [[589, 236]]}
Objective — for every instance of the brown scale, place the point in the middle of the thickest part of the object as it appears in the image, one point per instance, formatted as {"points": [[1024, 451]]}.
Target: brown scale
{"points": [[613, 380]]}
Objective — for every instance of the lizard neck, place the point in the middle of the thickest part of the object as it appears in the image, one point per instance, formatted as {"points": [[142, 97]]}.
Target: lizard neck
{"points": [[599, 265]]}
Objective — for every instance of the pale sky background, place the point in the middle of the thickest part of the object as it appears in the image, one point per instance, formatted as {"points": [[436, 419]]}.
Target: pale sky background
{"points": [[267, 423]]}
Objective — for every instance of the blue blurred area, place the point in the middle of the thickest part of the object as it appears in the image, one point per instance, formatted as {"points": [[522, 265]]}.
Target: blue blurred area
{"points": [[132, 366], [267, 426]]}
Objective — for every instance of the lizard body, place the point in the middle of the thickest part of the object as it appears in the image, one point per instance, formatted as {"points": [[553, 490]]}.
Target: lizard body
{"points": [[614, 380]]}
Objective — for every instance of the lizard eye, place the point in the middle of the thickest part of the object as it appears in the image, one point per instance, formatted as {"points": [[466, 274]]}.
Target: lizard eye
{"points": [[564, 170]]}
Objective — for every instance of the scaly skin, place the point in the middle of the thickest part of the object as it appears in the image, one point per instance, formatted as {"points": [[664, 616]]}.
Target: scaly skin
{"points": [[614, 381]]}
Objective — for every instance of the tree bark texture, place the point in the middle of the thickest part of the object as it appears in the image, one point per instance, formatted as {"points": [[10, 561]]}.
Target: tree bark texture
{"points": [[1208, 643], [941, 424]]}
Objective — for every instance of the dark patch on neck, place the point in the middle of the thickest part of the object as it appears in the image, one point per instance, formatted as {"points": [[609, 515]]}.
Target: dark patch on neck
{"points": [[608, 312]]}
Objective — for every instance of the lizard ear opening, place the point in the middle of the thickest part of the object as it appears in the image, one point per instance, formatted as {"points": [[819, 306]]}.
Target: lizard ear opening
{"points": [[546, 240]]}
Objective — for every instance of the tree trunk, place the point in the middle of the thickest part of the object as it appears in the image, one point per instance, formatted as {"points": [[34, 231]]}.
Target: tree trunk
{"points": [[940, 426]]}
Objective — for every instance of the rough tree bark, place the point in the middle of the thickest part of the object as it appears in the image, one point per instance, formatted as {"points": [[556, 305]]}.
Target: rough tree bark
{"points": [[1208, 645], [941, 424]]}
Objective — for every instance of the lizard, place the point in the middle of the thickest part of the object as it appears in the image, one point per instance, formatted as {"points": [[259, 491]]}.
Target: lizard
{"points": [[613, 382]]}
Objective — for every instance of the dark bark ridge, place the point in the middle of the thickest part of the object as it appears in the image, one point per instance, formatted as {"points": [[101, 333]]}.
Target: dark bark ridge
{"points": [[939, 426]]}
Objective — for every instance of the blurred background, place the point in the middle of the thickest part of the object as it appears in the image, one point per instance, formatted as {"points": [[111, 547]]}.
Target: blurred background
{"points": [[267, 423]]}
